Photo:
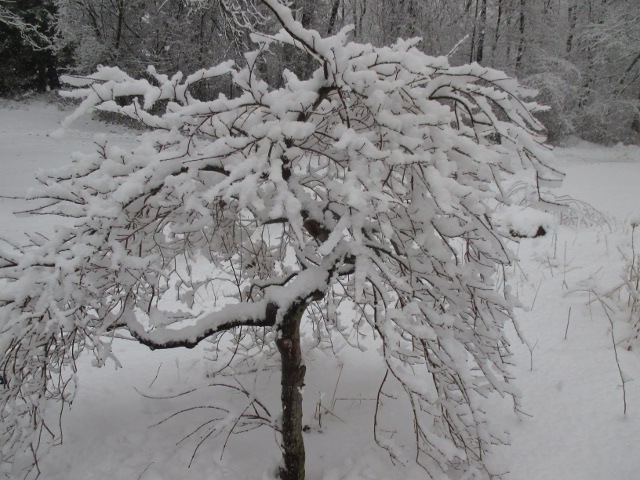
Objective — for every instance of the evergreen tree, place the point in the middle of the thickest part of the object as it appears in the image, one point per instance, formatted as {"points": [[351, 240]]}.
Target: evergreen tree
{"points": [[27, 57]]}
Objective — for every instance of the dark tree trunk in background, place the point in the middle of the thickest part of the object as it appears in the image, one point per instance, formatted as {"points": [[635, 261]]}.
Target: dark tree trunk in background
{"points": [[635, 123], [483, 26], [478, 32], [333, 16], [292, 382], [496, 37], [297, 61], [120, 24], [472, 53], [521, 43], [572, 13]]}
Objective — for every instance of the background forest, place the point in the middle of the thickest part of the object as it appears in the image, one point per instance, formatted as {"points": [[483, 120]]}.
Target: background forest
{"points": [[582, 55]]}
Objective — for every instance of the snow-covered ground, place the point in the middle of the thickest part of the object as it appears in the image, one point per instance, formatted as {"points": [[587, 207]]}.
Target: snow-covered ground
{"points": [[575, 427]]}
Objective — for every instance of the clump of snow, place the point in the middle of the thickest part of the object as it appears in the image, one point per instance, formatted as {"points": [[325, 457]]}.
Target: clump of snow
{"points": [[525, 221]]}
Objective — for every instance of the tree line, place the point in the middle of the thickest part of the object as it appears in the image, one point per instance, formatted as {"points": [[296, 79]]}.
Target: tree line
{"points": [[582, 55]]}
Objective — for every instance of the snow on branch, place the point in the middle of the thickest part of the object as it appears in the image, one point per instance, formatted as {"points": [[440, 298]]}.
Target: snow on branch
{"points": [[372, 183], [31, 34], [308, 285]]}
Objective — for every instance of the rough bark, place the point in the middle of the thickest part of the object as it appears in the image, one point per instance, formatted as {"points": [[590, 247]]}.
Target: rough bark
{"points": [[292, 382]]}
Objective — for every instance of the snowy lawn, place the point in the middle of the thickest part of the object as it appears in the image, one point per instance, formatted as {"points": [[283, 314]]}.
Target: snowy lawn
{"points": [[573, 426]]}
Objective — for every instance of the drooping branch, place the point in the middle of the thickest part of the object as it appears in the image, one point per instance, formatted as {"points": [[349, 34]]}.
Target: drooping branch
{"points": [[259, 314], [309, 39], [308, 285]]}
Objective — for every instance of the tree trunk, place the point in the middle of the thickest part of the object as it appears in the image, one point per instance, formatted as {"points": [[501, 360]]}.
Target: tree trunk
{"points": [[635, 123], [522, 41], [573, 18], [496, 37], [120, 24], [483, 26], [292, 382], [333, 16], [472, 52]]}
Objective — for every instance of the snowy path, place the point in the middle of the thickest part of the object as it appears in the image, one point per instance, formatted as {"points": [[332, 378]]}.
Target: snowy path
{"points": [[577, 430]]}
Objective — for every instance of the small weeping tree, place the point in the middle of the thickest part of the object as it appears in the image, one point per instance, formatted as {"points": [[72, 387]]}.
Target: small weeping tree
{"points": [[367, 188]]}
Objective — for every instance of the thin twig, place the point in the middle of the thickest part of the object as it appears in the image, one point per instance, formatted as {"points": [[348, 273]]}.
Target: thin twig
{"points": [[566, 330], [156, 377], [335, 390], [145, 470], [328, 410], [536, 295], [168, 397], [615, 352], [531, 349]]}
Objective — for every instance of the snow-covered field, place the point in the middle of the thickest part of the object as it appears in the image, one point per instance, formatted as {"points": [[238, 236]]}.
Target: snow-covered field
{"points": [[575, 427]]}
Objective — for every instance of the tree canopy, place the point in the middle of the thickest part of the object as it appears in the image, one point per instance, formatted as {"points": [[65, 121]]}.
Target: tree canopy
{"points": [[362, 196]]}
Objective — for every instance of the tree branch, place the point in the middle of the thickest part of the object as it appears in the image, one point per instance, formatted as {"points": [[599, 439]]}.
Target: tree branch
{"points": [[258, 314]]}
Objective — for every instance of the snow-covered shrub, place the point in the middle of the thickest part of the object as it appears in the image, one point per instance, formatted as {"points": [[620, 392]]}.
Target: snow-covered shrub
{"points": [[620, 299], [626, 294], [367, 188], [567, 210], [557, 80]]}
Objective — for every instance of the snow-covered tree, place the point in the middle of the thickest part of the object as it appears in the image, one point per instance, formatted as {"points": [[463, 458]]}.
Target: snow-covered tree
{"points": [[172, 35], [27, 57], [362, 195], [31, 19]]}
